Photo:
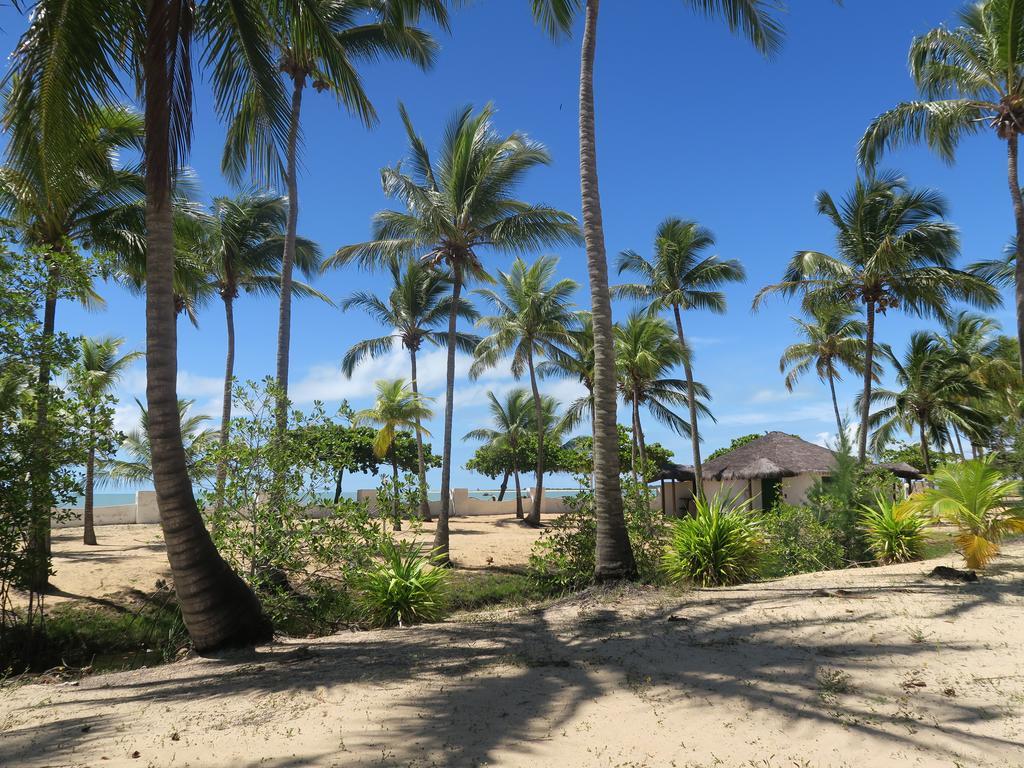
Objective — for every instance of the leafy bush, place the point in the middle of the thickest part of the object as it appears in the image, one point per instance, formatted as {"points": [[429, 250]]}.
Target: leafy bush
{"points": [[403, 588], [893, 530], [980, 501], [796, 541], [563, 557], [720, 545]]}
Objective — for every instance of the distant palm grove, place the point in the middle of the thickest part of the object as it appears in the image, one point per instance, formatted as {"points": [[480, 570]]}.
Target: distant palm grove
{"points": [[96, 189]]}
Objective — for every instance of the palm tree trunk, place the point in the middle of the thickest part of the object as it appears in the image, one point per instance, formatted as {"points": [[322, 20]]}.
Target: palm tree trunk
{"points": [[503, 488], [1018, 217], [38, 577], [396, 515], [835, 403], [925, 455], [698, 479], [225, 413], [959, 444], [641, 444], [420, 464], [284, 320], [614, 555], [337, 486], [88, 521], [633, 459], [218, 609], [441, 531], [519, 492], [538, 414], [865, 406]]}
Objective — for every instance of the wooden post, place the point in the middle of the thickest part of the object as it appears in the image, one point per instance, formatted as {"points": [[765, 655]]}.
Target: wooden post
{"points": [[675, 504], [662, 495]]}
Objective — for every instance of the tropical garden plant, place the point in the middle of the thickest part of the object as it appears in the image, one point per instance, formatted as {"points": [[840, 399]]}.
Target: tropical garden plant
{"points": [[533, 312], [457, 207], [402, 587], [979, 501], [681, 276], [894, 530]]}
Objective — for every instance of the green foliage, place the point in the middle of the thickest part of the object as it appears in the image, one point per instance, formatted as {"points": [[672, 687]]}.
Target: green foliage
{"points": [[563, 557], [980, 501], [911, 454], [796, 541], [408, 490], [720, 545], [300, 565], [135, 463], [736, 442], [578, 455], [402, 588], [893, 530]]}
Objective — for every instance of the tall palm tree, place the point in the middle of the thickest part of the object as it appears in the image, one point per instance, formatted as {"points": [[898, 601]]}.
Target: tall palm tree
{"points": [[418, 305], [682, 276], [646, 350], [317, 43], [57, 202], [614, 559], [73, 59], [512, 421], [533, 311], [831, 337], [98, 371], [970, 78], [238, 248], [397, 407], [456, 208], [894, 252], [933, 395], [137, 467]]}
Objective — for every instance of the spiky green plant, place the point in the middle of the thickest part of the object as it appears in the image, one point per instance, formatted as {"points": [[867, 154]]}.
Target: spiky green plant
{"points": [[720, 545], [980, 501], [403, 588], [893, 530]]}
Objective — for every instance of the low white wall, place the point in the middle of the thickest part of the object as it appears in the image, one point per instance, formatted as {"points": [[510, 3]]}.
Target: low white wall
{"points": [[144, 510]]}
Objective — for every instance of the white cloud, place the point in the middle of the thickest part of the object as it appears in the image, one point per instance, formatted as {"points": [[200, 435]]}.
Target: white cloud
{"points": [[808, 412]]}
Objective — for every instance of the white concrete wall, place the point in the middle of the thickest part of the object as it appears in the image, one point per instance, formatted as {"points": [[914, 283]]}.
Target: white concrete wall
{"points": [[144, 510]]}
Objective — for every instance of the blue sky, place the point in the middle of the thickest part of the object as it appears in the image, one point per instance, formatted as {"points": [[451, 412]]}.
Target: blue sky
{"points": [[691, 122]]}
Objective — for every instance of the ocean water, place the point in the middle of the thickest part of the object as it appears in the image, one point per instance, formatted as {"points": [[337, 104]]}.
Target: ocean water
{"points": [[116, 499]]}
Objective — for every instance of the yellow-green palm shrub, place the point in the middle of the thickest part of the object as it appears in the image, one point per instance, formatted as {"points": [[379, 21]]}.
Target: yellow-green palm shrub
{"points": [[893, 530], [720, 545], [980, 501], [403, 588]]}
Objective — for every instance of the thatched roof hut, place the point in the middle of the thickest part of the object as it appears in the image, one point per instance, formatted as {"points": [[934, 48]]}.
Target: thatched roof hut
{"points": [[902, 470], [678, 472], [772, 457]]}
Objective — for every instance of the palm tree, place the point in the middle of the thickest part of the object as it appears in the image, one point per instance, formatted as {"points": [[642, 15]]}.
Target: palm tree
{"points": [[969, 78], [513, 420], [198, 443], [682, 276], [418, 305], [396, 407], [933, 395], [74, 199], [317, 43], [238, 248], [455, 209], [894, 251], [71, 60], [646, 350], [532, 312], [614, 559], [573, 359], [99, 370], [831, 337]]}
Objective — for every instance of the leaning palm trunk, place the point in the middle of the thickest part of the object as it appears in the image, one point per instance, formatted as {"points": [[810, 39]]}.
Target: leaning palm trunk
{"points": [[698, 478], [396, 513], [284, 320], [538, 413], [925, 453], [519, 490], [441, 532], [88, 521], [614, 555], [225, 416], [420, 463], [218, 609], [1018, 217], [835, 402], [865, 408]]}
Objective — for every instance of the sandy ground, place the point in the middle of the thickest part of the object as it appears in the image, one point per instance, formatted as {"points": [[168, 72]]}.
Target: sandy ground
{"points": [[875, 667], [133, 556]]}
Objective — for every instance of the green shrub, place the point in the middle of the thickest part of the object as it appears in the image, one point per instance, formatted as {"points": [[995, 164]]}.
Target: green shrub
{"points": [[720, 545], [893, 530], [562, 559], [796, 541], [403, 588]]}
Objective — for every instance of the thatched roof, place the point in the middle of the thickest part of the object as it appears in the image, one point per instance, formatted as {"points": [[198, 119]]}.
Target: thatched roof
{"points": [[774, 456], [902, 469], [678, 472]]}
